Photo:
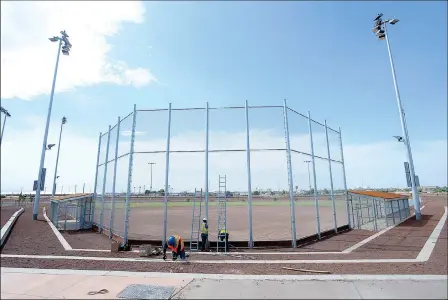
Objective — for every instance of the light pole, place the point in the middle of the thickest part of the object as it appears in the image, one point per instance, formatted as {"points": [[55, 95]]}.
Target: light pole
{"points": [[7, 114], [150, 185], [62, 189], [64, 120], [75, 187], [309, 176], [380, 28], [83, 186], [65, 50]]}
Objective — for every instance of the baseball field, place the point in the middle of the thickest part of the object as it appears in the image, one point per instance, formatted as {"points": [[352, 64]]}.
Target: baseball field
{"points": [[271, 217]]}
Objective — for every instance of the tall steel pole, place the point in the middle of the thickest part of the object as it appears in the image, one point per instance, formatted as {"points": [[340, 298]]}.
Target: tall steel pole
{"points": [[415, 195], [129, 183], [44, 142], [249, 180], [313, 160], [64, 120], [347, 206], [167, 173], [290, 180], [331, 180], [206, 159]]}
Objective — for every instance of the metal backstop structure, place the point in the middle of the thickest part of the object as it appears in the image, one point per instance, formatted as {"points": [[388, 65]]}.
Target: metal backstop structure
{"points": [[119, 147]]}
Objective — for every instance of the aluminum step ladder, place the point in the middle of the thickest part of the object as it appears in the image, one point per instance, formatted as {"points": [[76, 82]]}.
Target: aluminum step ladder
{"points": [[222, 213], [196, 221]]}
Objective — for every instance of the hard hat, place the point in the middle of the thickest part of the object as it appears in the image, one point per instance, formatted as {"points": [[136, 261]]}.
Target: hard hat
{"points": [[171, 241], [205, 219]]}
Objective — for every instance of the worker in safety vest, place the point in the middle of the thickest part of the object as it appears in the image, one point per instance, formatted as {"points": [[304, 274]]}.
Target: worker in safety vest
{"points": [[224, 234], [176, 245], [204, 234]]}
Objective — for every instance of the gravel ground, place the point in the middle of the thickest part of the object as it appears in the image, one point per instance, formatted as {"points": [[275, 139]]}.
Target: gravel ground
{"points": [[32, 237], [87, 240], [6, 213]]}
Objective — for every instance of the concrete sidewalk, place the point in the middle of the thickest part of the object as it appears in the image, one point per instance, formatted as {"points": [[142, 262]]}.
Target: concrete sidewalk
{"points": [[76, 284]]}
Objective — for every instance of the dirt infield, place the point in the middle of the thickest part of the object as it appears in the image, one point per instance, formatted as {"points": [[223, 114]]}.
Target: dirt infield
{"points": [[146, 218]]}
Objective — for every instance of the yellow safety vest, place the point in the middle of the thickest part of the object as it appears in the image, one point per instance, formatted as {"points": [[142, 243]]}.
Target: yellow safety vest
{"points": [[203, 229], [223, 231]]}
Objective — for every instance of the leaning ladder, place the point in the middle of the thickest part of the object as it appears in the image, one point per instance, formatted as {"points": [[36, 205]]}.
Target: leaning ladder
{"points": [[196, 221], [222, 212]]}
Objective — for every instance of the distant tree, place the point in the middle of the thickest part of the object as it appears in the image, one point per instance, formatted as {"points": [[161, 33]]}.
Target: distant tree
{"points": [[325, 191], [147, 192], [162, 192], [256, 193]]}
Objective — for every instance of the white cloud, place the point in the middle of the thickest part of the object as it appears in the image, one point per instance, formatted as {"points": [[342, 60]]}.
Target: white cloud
{"points": [[28, 57], [375, 165]]}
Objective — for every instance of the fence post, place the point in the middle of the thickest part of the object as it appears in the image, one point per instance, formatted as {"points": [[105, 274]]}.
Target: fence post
{"points": [[128, 190], [65, 221], [206, 159], [249, 183], [96, 179], [112, 210], [331, 180], [167, 172], [100, 228], [345, 179], [290, 181], [316, 197], [375, 210]]}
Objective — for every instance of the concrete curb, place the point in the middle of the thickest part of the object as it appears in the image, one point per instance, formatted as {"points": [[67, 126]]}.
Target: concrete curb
{"points": [[334, 277], [6, 229]]}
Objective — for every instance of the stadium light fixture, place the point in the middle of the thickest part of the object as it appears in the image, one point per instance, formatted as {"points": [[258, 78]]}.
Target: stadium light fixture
{"points": [[399, 138]]}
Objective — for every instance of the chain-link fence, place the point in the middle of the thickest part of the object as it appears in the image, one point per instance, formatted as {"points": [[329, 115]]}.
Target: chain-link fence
{"points": [[285, 173]]}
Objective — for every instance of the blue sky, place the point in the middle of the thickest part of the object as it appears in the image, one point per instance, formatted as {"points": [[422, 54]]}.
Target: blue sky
{"points": [[320, 56]]}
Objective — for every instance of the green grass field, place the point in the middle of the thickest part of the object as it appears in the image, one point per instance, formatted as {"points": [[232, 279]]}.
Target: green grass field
{"points": [[121, 204]]}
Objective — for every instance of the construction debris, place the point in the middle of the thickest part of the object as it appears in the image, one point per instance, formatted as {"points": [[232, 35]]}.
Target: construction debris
{"points": [[307, 271], [149, 250]]}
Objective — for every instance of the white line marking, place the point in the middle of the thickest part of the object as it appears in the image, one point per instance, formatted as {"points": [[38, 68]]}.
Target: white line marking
{"points": [[363, 242], [284, 261], [6, 229], [222, 276], [61, 239], [428, 248], [91, 250]]}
